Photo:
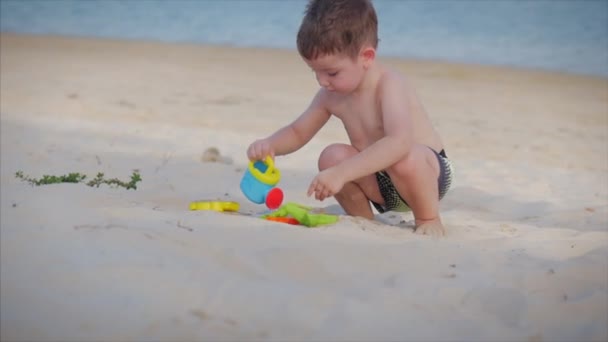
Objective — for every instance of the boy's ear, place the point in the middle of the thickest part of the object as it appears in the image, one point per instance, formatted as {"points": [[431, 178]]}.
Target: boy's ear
{"points": [[368, 54]]}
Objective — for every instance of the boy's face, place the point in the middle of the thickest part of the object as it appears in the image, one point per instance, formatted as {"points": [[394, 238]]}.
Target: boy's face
{"points": [[337, 72]]}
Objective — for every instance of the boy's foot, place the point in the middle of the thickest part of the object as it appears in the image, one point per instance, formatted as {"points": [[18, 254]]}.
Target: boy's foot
{"points": [[434, 228]]}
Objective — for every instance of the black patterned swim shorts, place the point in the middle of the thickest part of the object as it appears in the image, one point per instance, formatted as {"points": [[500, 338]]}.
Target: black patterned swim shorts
{"points": [[394, 202]]}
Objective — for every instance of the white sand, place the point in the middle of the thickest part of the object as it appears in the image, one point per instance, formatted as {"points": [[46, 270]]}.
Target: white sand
{"points": [[526, 256]]}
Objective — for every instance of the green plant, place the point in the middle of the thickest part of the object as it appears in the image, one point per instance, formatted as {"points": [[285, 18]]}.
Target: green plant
{"points": [[98, 180], [76, 177]]}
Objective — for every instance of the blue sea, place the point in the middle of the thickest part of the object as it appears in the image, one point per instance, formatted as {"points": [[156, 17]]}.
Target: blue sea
{"points": [[563, 35]]}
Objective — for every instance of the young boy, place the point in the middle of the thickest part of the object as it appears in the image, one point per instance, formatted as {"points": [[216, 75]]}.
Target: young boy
{"points": [[395, 158]]}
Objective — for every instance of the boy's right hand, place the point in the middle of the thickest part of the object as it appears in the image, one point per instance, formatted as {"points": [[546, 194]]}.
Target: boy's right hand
{"points": [[260, 149]]}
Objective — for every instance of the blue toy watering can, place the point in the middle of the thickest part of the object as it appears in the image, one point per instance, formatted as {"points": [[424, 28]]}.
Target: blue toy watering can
{"points": [[258, 183]]}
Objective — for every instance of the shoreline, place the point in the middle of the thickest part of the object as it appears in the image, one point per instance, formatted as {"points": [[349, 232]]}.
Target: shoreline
{"points": [[389, 58]]}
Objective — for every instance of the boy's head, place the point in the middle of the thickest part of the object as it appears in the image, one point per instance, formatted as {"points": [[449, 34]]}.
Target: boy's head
{"points": [[337, 27]]}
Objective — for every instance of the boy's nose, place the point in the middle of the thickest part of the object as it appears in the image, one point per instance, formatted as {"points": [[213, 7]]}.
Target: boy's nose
{"points": [[323, 82]]}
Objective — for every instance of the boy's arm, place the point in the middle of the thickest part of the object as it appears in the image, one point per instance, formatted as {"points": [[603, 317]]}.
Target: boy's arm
{"points": [[295, 135], [398, 134]]}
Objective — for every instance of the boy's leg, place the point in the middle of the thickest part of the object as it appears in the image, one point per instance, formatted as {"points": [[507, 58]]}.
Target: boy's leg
{"points": [[354, 196], [415, 178]]}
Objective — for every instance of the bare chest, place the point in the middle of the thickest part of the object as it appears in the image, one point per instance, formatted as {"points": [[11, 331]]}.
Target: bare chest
{"points": [[362, 120]]}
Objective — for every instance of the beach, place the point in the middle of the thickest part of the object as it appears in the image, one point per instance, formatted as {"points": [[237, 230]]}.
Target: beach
{"points": [[525, 257]]}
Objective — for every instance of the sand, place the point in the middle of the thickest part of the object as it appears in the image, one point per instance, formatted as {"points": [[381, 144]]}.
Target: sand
{"points": [[525, 258]]}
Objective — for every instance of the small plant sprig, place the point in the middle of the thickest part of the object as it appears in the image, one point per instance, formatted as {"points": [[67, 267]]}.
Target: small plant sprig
{"points": [[98, 180], [46, 179], [76, 177]]}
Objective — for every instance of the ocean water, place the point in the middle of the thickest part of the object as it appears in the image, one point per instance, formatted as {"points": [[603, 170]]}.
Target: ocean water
{"points": [[563, 35]]}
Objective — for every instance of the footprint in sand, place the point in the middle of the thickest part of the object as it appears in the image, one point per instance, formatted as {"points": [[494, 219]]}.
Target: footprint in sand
{"points": [[213, 155]]}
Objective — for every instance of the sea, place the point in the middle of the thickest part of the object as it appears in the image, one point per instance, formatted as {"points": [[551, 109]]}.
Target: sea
{"points": [[561, 35]]}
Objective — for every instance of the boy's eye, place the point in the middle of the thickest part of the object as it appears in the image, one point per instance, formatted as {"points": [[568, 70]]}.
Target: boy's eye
{"points": [[332, 74]]}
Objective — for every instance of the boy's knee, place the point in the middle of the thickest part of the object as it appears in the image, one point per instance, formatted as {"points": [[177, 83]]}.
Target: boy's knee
{"points": [[404, 168], [351, 193], [415, 162], [334, 154]]}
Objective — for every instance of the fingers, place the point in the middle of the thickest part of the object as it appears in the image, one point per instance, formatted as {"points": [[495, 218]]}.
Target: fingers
{"points": [[320, 195], [311, 188], [320, 191], [325, 193], [259, 150], [314, 188], [250, 152]]}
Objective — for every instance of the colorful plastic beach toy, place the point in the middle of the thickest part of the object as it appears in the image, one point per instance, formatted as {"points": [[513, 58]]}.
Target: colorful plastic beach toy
{"points": [[214, 205], [258, 183], [302, 215], [288, 220]]}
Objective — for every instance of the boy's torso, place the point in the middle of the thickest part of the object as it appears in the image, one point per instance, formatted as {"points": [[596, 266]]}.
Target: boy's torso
{"points": [[361, 116]]}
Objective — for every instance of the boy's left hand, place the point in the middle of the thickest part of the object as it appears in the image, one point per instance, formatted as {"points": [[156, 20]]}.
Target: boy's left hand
{"points": [[326, 184]]}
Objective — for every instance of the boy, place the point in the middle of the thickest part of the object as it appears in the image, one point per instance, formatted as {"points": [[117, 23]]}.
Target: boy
{"points": [[395, 158]]}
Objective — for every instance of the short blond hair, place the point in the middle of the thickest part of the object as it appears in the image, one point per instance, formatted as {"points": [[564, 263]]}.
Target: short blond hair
{"points": [[337, 26]]}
